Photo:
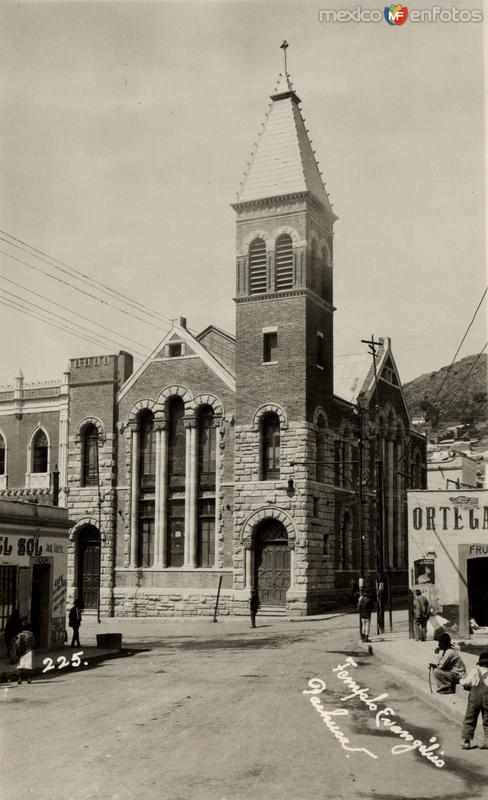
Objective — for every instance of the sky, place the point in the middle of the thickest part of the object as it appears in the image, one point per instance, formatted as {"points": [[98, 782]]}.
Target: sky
{"points": [[125, 129]]}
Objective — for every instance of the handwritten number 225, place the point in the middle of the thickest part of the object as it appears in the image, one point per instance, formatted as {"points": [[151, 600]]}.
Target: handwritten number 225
{"points": [[62, 662]]}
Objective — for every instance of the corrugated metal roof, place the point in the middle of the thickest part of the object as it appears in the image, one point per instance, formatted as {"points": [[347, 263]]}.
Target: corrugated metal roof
{"points": [[350, 374], [283, 162]]}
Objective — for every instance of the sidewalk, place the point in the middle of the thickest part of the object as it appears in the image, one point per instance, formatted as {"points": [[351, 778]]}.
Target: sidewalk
{"points": [[407, 661]]}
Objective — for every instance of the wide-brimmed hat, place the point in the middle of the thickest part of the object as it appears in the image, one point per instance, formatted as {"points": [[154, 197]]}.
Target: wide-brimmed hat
{"points": [[483, 659], [444, 641]]}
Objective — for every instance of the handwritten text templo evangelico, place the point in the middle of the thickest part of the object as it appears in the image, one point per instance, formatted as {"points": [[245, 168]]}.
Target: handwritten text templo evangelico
{"points": [[383, 716]]}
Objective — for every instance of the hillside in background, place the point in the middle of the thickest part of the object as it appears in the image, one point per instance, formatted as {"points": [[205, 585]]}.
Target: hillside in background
{"points": [[465, 405]]}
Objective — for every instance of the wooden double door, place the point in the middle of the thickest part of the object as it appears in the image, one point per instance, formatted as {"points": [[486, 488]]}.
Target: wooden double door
{"points": [[272, 564], [89, 567]]}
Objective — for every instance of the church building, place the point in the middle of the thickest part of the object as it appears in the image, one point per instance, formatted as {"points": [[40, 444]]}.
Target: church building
{"points": [[252, 459]]}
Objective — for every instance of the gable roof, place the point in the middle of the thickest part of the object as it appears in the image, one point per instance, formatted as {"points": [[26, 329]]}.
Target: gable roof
{"points": [[283, 161], [354, 374], [183, 335]]}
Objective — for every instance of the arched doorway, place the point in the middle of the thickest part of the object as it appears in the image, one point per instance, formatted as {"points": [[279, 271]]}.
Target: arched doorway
{"points": [[271, 563], [478, 589], [88, 567]]}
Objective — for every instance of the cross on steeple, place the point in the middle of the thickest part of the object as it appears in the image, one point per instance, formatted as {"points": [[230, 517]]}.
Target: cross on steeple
{"points": [[284, 46]]}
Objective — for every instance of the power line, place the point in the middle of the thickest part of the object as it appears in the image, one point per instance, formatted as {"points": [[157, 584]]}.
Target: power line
{"points": [[459, 348], [81, 276], [99, 336], [76, 313], [463, 381], [82, 291], [16, 307]]}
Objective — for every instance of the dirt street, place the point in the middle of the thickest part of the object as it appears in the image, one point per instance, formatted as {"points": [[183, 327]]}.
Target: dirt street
{"points": [[217, 712]]}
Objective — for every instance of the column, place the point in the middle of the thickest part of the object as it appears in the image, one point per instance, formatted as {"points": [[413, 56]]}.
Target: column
{"points": [[390, 499], [157, 496], [134, 492], [193, 498], [163, 497], [63, 457], [189, 500], [219, 433], [249, 577]]}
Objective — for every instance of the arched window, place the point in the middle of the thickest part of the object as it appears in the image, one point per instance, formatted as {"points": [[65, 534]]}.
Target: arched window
{"points": [[176, 482], [40, 451], [206, 487], [257, 267], [283, 263], [320, 439], [2, 455], [270, 439], [90, 466], [147, 488]]}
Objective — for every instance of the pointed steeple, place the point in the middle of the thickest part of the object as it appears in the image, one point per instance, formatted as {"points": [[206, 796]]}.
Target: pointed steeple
{"points": [[283, 161]]}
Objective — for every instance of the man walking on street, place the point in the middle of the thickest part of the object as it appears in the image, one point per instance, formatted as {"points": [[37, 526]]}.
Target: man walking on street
{"points": [[253, 606], [75, 622], [365, 607], [421, 615]]}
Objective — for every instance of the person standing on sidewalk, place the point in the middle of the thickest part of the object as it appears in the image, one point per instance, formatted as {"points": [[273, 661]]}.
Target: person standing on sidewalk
{"points": [[449, 668], [254, 606], [421, 607], [476, 682], [75, 622], [24, 645], [365, 608]]}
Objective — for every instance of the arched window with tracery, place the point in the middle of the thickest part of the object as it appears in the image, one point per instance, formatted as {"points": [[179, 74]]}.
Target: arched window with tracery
{"points": [[147, 489], [344, 543], [206, 487], [40, 452], [320, 439], [270, 447], [89, 457], [176, 482], [3, 459], [284, 263], [257, 267]]}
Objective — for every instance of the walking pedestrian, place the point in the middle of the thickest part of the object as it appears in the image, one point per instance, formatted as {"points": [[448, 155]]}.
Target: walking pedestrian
{"points": [[24, 645], [421, 607], [476, 682], [365, 608], [254, 605], [13, 627], [449, 667], [75, 622]]}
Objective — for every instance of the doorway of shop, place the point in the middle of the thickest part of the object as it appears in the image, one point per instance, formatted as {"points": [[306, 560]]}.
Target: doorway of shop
{"points": [[478, 589], [40, 603]]}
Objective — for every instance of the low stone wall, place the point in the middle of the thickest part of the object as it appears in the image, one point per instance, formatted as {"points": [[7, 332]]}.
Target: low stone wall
{"points": [[174, 603]]}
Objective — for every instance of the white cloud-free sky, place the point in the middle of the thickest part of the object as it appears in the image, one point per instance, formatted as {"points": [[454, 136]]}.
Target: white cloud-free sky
{"points": [[125, 129]]}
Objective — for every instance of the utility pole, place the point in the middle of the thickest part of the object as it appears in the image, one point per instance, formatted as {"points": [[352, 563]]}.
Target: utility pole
{"points": [[97, 450], [380, 504]]}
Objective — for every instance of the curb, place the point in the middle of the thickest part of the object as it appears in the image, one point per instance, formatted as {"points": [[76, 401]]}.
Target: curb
{"points": [[450, 706]]}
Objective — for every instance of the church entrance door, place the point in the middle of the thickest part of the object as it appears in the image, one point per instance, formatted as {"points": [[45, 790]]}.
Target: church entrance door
{"points": [[272, 563]]}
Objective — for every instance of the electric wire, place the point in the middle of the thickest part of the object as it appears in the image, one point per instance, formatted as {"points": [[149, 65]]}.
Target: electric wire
{"points": [[82, 291], [463, 381], [459, 348], [76, 313], [99, 336], [75, 273]]}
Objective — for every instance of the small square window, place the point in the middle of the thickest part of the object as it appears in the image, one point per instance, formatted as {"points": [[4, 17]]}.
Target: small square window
{"points": [[270, 347], [175, 350], [320, 358]]}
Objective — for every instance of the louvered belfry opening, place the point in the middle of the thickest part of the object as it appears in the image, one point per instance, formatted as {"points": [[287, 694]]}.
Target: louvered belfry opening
{"points": [[284, 263], [257, 267]]}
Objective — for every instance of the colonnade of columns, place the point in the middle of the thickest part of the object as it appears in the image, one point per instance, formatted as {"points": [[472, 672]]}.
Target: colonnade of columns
{"points": [[162, 494]]}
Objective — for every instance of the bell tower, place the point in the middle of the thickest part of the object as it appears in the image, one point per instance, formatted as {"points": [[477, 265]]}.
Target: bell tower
{"points": [[284, 277], [284, 366]]}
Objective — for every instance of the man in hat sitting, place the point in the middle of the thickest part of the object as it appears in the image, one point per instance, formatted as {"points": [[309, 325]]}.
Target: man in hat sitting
{"points": [[476, 682], [449, 668]]}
